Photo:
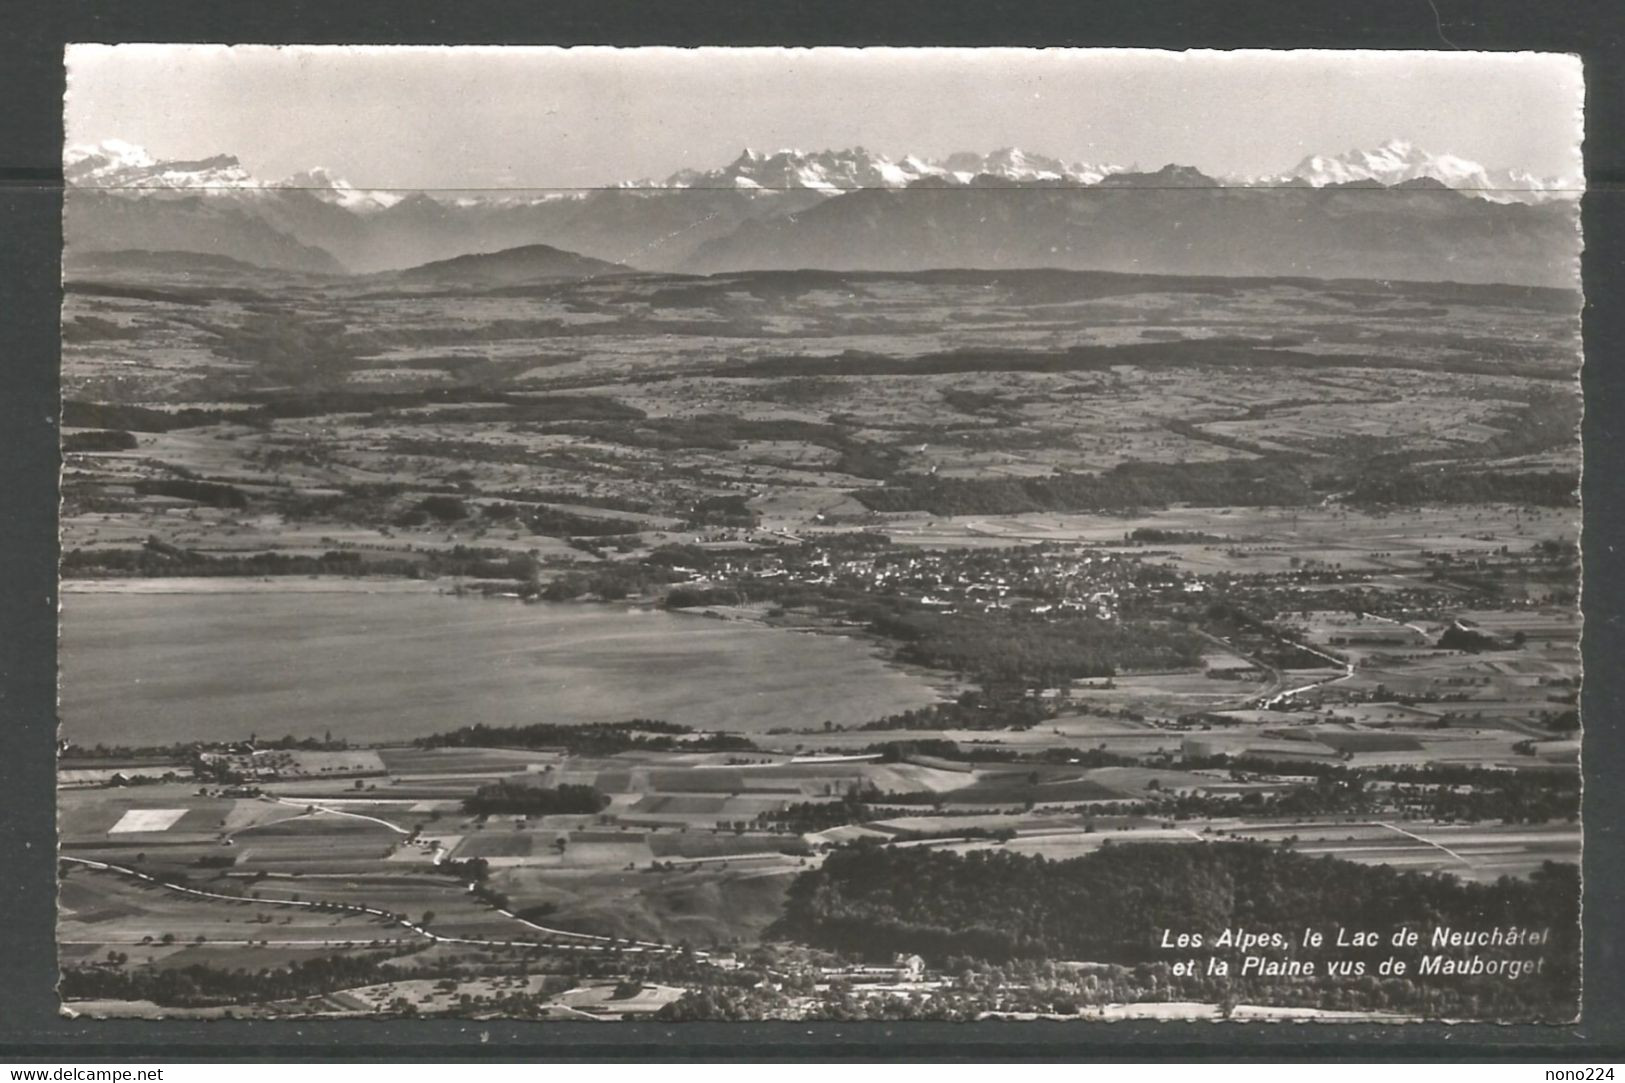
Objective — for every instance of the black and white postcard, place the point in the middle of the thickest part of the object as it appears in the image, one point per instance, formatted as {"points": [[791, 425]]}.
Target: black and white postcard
{"points": [[827, 534]]}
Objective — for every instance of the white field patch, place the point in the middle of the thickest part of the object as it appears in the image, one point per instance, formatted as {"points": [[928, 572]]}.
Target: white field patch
{"points": [[147, 819]]}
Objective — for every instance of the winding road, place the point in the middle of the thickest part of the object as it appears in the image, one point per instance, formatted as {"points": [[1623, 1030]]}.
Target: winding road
{"points": [[594, 942]]}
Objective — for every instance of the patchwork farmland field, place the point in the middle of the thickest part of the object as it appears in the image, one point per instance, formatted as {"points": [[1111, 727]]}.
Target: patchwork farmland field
{"points": [[550, 664]]}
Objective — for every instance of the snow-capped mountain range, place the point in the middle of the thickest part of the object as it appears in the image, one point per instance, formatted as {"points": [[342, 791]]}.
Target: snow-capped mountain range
{"points": [[1398, 161], [844, 170], [114, 163], [117, 164]]}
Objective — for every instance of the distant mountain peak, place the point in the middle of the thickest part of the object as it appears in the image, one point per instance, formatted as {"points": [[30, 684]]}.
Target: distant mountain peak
{"points": [[113, 163], [87, 160], [1397, 161], [1169, 176], [525, 263], [838, 170], [315, 177], [320, 182], [827, 171]]}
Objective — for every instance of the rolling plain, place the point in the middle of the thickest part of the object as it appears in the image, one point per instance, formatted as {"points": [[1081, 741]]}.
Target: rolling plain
{"points": [[557, 647]]}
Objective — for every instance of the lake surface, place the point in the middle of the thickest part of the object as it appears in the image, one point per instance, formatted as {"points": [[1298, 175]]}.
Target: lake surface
{"points": [[142, 669]]}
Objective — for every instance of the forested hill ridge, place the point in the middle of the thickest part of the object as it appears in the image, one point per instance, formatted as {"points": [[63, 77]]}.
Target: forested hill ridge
{"points": [[1114, 905], [512, 266], [1417, 233]]}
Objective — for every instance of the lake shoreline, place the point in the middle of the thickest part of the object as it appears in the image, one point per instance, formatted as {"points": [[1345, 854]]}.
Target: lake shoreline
{"points": [[243, 584], [159, 667]]}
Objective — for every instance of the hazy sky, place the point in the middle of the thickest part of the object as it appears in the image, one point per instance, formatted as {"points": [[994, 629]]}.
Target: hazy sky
{"points": [[483, 117]]}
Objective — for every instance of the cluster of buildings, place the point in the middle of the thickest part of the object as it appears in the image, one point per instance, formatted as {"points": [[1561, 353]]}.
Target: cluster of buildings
{"points": [[1034, 579]]}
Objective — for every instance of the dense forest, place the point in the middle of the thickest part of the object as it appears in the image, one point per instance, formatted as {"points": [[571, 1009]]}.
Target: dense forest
{"points": [[608, 582], [1113, 905], [601, 739], [203, 492], [1248, 482], [99, 440], [1034, 652], [1552, 488], [1238, 482]]}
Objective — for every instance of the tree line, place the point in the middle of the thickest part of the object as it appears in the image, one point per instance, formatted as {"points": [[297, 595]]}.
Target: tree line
{"points": [[1112, 906], [1032, 652], [515, 797], [202, 986], [597, 739], [1126, 486]]}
